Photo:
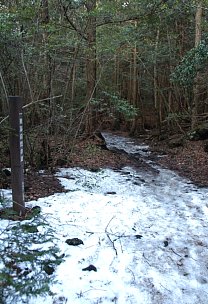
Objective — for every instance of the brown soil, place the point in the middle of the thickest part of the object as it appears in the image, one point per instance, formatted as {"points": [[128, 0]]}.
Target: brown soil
{"points": [[190, 161], [90, 154]]}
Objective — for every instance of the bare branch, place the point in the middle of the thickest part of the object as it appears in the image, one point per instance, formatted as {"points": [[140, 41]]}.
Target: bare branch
{"points": [[152, 11], [65, 9], [40, 100], [4, 87], [31, 103]]}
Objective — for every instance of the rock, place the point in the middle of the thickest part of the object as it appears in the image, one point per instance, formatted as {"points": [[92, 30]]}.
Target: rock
{"points": [[74, 242], [48, 269], [165, 243], [138, 236], [110, 192], [90, 268], [7, 171]]}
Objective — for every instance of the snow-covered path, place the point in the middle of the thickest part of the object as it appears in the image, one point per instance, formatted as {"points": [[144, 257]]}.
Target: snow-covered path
{"points": [[145, 232]]}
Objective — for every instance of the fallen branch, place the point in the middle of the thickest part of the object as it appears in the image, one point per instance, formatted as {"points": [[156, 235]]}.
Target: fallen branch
{"points": [[146, 260], [176, 253], [107, 233]]}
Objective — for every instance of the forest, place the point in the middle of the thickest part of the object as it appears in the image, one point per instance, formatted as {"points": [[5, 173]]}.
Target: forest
{"points": [[113, 172], [82, 66]]}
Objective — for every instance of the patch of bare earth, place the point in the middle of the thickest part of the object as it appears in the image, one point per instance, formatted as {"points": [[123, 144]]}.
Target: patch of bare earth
{"points": [[190, 161], [93, 155], [88, 154]]}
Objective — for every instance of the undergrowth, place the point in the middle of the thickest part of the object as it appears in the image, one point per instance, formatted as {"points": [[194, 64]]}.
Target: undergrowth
{"points": [[29, 256]]}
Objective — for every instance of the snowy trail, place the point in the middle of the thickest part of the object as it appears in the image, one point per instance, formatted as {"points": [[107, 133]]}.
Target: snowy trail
{"points": [[147, 235]]}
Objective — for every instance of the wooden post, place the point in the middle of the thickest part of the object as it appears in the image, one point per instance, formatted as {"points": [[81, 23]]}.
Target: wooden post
{"points": [[16, 153]]}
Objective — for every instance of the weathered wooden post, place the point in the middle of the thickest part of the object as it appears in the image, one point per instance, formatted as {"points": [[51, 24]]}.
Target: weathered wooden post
{"points": [[16, 153]]}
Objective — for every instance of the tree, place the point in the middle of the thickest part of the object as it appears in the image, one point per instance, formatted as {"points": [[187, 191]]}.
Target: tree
{"points": [[91, 66], [196, 88], [87, 50]]}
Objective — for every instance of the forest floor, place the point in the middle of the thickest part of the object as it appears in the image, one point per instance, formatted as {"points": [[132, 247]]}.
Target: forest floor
{"points": [[128, 235], [189, 160]]}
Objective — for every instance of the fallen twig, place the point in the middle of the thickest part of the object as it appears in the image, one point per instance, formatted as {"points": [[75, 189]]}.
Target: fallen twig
{"points": [[175, 252], [146, 260], [107, 233]]}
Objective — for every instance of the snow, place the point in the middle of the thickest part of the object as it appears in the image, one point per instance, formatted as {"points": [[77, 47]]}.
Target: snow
{"points": [[145, 232]]}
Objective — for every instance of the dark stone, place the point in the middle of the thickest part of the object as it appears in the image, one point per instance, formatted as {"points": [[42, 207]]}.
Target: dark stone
{"points": [[165, 243], [111, 192], [74, 242], [7, 172], [90, 268], [48, 269], [138, 236]]}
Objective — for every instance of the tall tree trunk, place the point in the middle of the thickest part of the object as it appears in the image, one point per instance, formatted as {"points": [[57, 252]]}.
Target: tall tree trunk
{"points": [[45, 18], [196, 88], [91, 66], [47, 73], [157, 101], [134, 87]]}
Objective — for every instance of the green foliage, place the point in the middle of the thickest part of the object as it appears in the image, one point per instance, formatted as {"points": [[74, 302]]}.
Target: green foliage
{"points": [[28, 252], [194, 61], [120, 105], [44, 58]]}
